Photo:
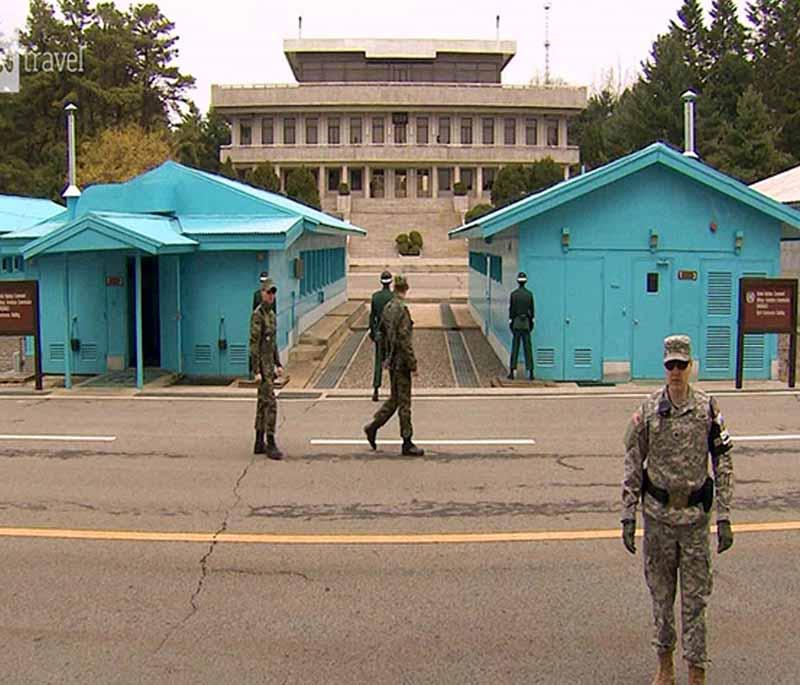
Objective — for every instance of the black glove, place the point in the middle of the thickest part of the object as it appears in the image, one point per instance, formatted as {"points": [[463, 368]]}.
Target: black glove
{"points": [[629, 535], [724, 536]]}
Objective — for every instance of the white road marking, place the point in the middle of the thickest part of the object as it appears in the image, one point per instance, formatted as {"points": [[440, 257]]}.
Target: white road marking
{"points": [[62, 438], [765, 438], [363, 441]]}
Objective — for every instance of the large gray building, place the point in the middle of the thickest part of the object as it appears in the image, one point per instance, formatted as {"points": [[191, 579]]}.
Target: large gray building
{"points": [[401, 122]]}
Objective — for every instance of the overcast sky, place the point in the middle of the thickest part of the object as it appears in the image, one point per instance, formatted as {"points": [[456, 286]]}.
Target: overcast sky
{"points": [[240, 41]]}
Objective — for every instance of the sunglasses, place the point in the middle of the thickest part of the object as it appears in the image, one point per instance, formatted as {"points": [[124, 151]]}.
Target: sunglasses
{"points": [[673, 363]]}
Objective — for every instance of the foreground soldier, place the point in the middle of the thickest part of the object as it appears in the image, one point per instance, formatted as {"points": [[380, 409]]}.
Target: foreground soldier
{"points": [[666, 465], [396, 329], [267, 365], [380, 298]]}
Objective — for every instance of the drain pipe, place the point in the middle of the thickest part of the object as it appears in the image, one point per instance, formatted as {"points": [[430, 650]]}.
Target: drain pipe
{"points": [[72, 193], [689, 98]]}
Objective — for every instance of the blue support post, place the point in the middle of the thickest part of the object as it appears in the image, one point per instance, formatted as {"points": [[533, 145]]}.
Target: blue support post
{"points": [[139, 346], [67, 328], [179, 315]]}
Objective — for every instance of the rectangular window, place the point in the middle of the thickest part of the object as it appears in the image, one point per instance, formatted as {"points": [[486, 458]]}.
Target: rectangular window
{"points": [[333, 132], [423, 183], [400, 183], [356, 136], [445, 178], [245, 133], [377, 186], [552, 134], [356, 180], [510, 131], [466, 131], [377, 130], [531, 133], [488, 131], [489, 174], [7, 265], [422, 130], [400, 134], [334, 178], [467, 178], [652, 282], [312, 131], [496, 268], [444, 131], [289, 137], [267, 131], [19, 264]]}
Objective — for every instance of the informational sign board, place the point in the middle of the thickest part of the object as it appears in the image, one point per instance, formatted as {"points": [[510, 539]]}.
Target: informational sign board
{"points": [[767, 305], [19, 316]]}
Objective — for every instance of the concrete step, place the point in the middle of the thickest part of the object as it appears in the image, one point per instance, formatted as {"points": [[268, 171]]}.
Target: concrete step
{"points": [[303, 353], [408, 265]]}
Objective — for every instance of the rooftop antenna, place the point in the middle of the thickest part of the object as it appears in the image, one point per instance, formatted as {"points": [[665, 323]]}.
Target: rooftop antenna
{"points": [[547, 6], [497, 28], [300, 28]]}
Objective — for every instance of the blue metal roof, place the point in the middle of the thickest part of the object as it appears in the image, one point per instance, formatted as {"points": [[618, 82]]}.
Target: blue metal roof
{"points": [[657, 153], [237, 225], [17, 213]]}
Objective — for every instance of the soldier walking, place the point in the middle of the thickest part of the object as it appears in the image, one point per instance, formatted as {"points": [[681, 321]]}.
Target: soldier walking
{"points": [[667, 447], [398, 354], [380, 298], [521, 319], [267, 366]]}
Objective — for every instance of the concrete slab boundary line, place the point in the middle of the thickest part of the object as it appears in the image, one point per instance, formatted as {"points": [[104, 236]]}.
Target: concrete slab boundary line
{"points": [[470, 357], [357, 539], [453, 373], [361, 343]]}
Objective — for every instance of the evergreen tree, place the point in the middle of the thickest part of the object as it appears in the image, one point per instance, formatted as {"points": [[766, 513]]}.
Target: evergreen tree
{"points": [[691, 31], [589, 129], [510, 185], [198, 139], [228, 170], [263, 176], [301, 186], [747, 149], [542, 174]]}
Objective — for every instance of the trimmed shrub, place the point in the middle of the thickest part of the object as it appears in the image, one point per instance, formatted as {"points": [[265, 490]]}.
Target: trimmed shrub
{"points": [[344, 188], [415, 238], [477, 211], [460, 188]]}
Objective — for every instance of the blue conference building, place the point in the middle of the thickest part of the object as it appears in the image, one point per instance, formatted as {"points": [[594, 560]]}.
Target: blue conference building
{"points": [[652, 244], [161, 270]]}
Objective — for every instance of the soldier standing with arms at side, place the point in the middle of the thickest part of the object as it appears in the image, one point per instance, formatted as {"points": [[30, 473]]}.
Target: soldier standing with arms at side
{"points": [[380, 298], [667, 446], [521, 318], [267, 365], [263, 276], [397, 328]]}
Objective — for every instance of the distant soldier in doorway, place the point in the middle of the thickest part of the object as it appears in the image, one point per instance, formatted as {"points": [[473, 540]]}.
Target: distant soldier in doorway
{"points": [[380, 298], [521, 319]]}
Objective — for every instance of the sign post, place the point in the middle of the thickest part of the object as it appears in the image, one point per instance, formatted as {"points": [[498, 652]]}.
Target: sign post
{"points": [[767, 305], [19, 316]]}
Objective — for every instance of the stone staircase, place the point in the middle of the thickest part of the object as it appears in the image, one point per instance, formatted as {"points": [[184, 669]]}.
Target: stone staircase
{"points": [[385, 219], [325, 334]]}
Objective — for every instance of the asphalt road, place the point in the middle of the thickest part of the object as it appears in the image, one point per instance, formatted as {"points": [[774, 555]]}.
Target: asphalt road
{"points": [[559, 610]]}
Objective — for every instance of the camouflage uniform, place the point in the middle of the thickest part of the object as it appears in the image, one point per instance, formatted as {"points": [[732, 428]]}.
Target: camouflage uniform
{"points": [[264, 359], [398, 349], [672, 444]]}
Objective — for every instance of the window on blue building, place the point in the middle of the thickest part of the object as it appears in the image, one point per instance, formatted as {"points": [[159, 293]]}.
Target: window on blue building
{"points": [[7, 265], [496, 268]]}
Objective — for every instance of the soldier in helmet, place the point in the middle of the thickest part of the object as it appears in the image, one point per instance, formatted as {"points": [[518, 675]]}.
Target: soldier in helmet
{"points": [[521, 319], [267, 366], [667, 448], [398, 354], [380, 298]]}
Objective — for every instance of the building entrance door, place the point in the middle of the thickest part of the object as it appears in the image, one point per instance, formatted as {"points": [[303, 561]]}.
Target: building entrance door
{"points": [[151, 315], [652, 316]]}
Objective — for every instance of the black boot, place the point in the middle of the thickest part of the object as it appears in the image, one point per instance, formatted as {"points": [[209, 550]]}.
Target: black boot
{"points": [[372, 434], [272, 449], [259, 446], [530, 375], [411, 450], [375, 395], [510, 375]]}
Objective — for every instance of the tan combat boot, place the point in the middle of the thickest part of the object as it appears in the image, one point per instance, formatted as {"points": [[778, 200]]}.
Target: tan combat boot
{"points": [[666, 670], [697, 675]]}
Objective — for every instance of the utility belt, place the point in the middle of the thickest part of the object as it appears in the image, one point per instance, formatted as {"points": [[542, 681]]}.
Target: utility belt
{"points": [[675, 500]]}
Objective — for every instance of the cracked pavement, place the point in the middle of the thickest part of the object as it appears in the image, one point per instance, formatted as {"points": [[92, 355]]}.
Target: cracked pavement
{"points": [[210, 612]]}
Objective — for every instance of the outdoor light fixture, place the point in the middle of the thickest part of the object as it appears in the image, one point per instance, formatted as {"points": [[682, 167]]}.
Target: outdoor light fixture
{"points": [[565, 239], [738, 241], [653, 240]]}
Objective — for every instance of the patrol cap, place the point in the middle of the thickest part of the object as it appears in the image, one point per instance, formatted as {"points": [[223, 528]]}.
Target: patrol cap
{"points": [[521, 277], [678, 347], [386, 278], [268, 284], [263, 276], [400, 282]]}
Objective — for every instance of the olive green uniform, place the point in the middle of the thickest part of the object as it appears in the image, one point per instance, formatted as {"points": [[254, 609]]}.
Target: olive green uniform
{"points": [[380, 298], [264, 359], [398, 349], [521, 317]]}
